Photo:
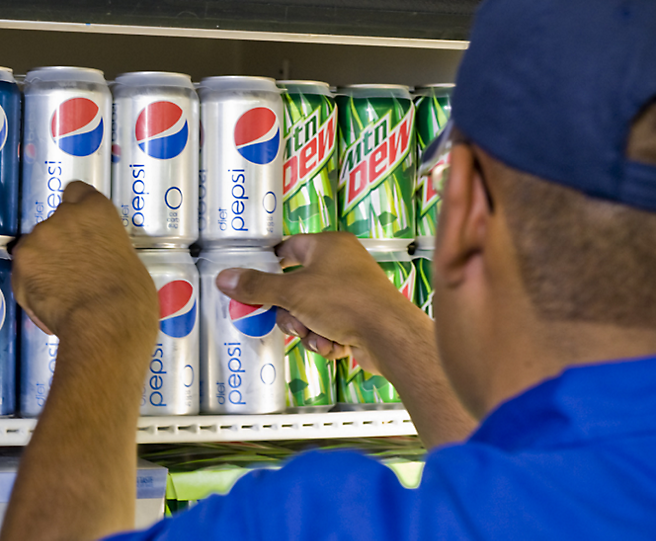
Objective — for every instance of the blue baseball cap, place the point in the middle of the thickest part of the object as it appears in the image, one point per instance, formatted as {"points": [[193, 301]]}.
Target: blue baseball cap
{"points": [[551, 87]]}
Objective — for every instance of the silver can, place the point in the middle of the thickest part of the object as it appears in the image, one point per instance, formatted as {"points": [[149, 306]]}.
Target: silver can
{"points": [[66, 136], [171, 386], [241, 162], [155, 158], [38, 353], [241, 348]]}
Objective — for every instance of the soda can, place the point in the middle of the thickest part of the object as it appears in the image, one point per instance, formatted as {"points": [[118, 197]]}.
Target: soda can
{"points": [[241, 162], [241, 348], [309, 172], [310, 379], [423, 262], [171, 386], [377, 162], [10, 126], [433, 106], [356, 388], [7, 337], [66, 135]]}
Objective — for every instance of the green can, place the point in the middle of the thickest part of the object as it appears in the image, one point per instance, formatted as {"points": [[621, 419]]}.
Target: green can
{"points": [[377, 161], [423, 261], [310, 379], [310, 158], [357, 389], [433, 106]]}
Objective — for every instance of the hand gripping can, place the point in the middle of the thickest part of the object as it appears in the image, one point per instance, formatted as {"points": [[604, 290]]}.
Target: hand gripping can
{"points": [[171, 386], [310, 158], [10, 127], [310, 379], [357, 389], [241, 162], [155, 139], [7, 337], [241, 348], [423, 261], [377, 162], [433, 106], [66, 136]]}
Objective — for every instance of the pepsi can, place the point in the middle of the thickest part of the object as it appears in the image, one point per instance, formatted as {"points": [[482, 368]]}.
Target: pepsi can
{"points": [[171, 386], [7, 337], [241, 162], [241, 348], [38, 353], [66, 135], [155, 158], [10, 124]]}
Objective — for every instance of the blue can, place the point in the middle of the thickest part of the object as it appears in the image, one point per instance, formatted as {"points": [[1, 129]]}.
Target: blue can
{"points": [[10, 124], [7, 338]]}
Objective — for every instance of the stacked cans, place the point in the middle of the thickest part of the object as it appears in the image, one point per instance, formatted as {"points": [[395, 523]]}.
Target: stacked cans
{"points": [[66, 137], [155, 145], [7, 336], [309, 206], [240, 220]]}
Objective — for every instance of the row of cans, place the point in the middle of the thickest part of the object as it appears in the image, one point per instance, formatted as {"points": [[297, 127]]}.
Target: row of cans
{"points": [[221, 168]]}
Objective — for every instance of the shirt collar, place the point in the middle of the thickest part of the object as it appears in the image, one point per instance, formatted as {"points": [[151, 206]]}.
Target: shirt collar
{"points": [[583, 403]]}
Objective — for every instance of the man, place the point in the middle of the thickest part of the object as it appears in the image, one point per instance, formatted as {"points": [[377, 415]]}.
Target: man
{"points": [[545, 308]]}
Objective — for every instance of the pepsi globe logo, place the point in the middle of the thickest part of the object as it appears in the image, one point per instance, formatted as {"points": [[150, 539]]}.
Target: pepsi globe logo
{"points": [[116, 153], [77, 127], [162, 130], [3, 128], [3, 309], [257, 135], [255, 321], [177, 308]]}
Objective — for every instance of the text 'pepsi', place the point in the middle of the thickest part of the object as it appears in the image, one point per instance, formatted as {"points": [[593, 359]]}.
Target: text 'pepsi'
{"points": [[241, 348], [171, 386], [7, 336], [10, 128], [241, 162], [155, 137], [66, 137]]}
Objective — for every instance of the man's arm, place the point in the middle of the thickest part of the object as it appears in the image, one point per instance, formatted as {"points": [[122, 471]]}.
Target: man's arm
{"points": [[340, 297], [78, 275]]}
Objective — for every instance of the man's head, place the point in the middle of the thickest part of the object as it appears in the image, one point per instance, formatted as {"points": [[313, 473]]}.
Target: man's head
{"points": [[547, 242]]}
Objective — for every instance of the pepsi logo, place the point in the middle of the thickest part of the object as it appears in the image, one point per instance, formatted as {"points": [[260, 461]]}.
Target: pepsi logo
{"points": [[161, 130], [177, 308], [3, 128], [255, 321], [257, 135], [3, 309], [29, 152], [77, 127], [116, 153]]}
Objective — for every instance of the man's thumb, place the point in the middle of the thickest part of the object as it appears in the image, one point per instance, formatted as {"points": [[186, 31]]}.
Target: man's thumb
{"points": [[253, 287]]}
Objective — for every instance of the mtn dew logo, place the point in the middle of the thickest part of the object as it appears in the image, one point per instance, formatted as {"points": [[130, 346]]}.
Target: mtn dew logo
{"points": [[428, 199]]}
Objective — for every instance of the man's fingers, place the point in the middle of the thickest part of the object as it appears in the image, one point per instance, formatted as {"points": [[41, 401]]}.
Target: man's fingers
{"points": [[295, 250], [76, 191], [290, 325], [254, 287]]}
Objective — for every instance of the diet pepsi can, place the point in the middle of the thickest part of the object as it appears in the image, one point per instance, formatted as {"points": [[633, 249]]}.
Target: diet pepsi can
{"points": [[10, 124], [7, 338], [241, 348], [38, 353], [66, 135], [155, 158], [171, 386], [241, 162]]}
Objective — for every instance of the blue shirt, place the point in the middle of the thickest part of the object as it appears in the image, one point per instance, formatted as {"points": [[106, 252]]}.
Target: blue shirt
{"points": [[572, 458]]}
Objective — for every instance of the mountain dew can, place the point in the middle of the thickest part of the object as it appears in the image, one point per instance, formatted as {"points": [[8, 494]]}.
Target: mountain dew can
{"points": [[357, 389], [310, 158], [377, 162], [423, 261], [433, 106], [310, 379]]}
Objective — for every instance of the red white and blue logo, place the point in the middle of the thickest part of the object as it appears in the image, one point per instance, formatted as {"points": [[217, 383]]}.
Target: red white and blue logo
{"points": [[77, 127], [255, 321], [116, 153], [162, 130], [3, 128], [257, 135], [177, 308]]}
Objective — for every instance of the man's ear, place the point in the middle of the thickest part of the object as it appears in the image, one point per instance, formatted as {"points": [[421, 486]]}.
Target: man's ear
{"points": [[463, 218]]}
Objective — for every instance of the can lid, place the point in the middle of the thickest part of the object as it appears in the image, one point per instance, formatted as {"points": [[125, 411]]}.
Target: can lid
{"points": [[65, 73], [7, 75], [243, 83], [375, 91], [386, 245], [438, 90], [153, 256], [154, 78], [425, 243], [401, 256], [306, 87]]}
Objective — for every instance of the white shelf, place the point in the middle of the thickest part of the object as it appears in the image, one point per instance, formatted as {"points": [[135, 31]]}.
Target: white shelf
{"points": [[223, 428]]}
